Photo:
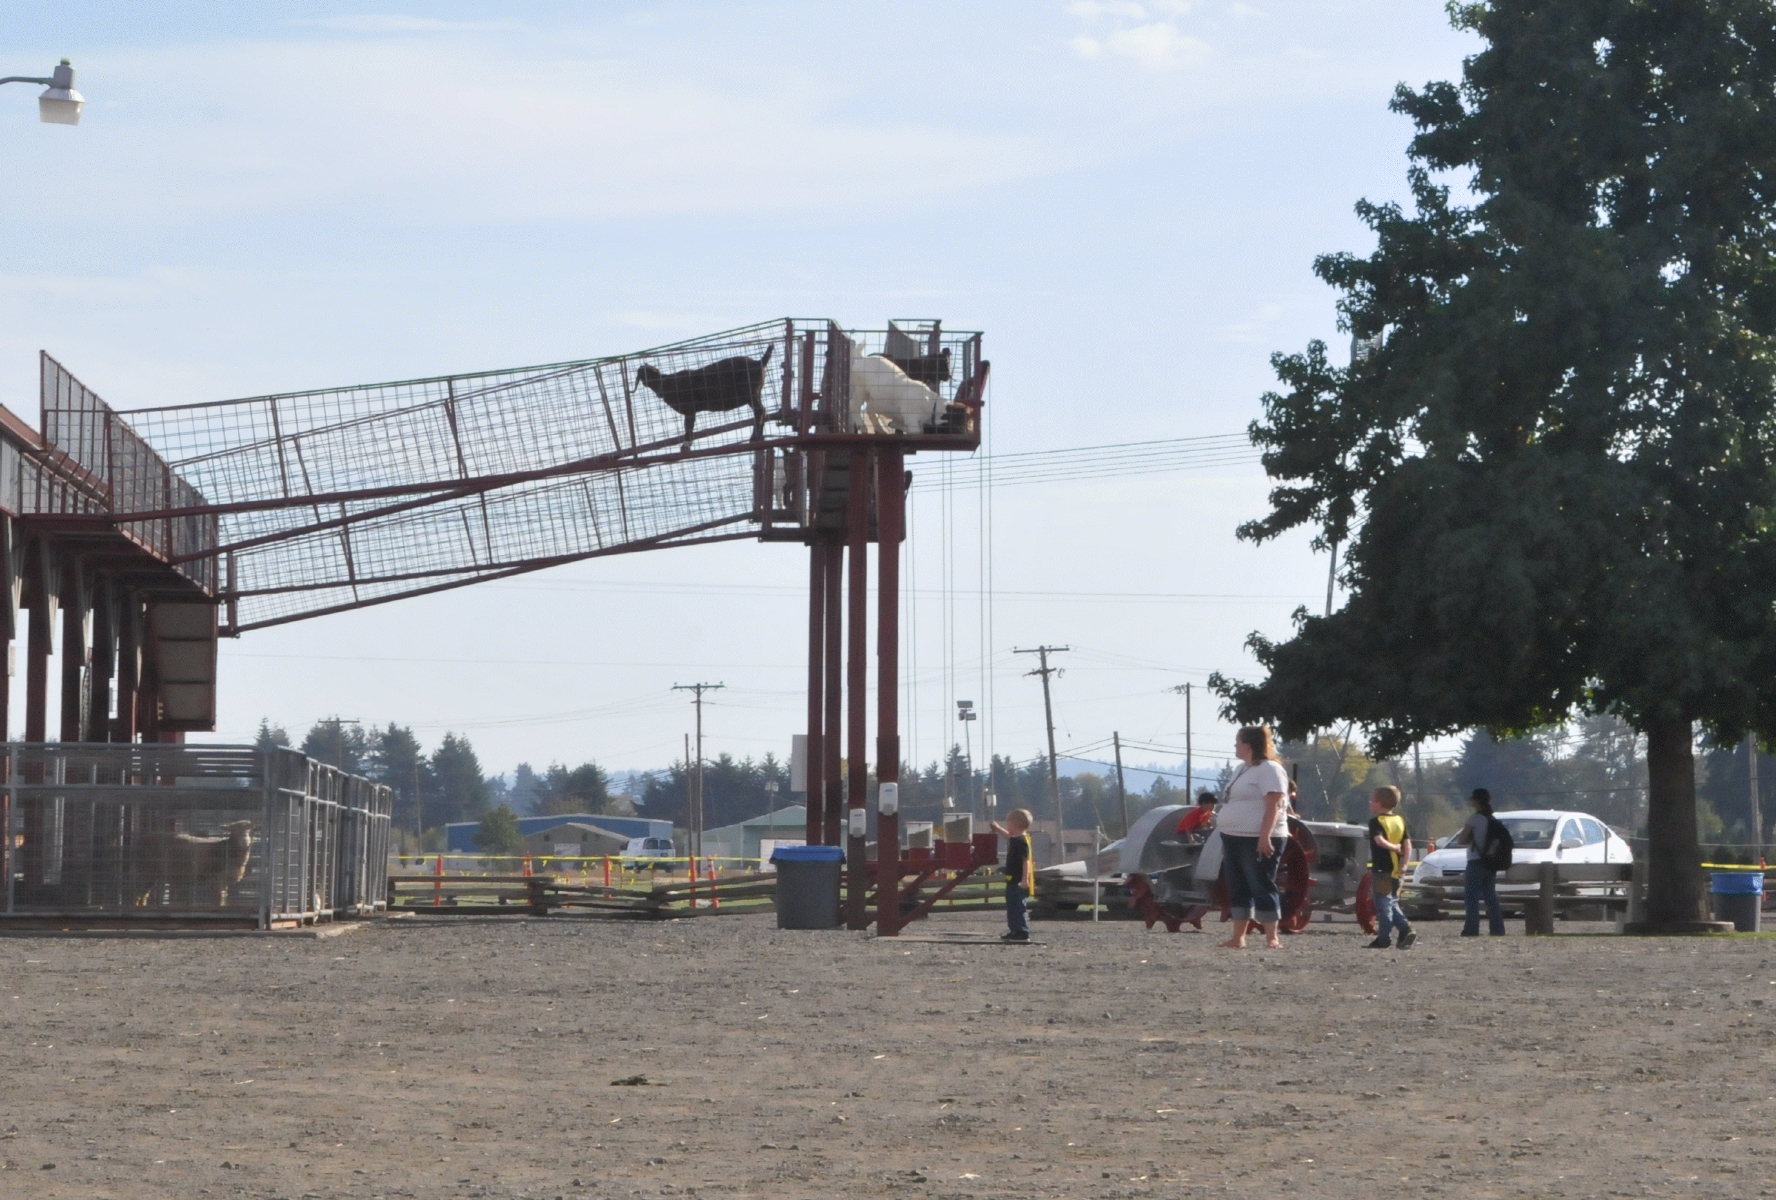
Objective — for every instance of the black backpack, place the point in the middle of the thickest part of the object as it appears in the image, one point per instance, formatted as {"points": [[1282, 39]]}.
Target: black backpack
{"points": [[1499, 846]]}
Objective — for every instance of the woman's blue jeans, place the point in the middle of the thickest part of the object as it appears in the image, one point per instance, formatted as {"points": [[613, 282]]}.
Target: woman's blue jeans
{"points": [[1251, 879], [1481, 883]]}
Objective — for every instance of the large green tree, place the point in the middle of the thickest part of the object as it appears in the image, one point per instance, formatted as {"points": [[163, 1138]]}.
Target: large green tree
{"points": [[1551, 465]]}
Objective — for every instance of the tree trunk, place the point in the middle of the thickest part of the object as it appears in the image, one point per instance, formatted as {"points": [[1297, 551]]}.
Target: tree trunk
{"points": [[1674, 880]]}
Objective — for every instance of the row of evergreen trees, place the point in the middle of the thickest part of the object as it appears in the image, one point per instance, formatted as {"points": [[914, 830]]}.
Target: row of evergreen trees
{"points": [[1596, 764]]}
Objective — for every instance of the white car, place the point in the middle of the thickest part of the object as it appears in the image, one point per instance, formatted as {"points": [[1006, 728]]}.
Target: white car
{"points": [[1537, 836]]}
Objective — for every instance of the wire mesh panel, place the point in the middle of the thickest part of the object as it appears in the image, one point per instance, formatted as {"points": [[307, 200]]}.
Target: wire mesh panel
{"points": [[154, 832], [104, 465]]}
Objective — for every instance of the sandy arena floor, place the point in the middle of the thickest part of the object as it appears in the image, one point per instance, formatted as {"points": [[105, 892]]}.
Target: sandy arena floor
{"points": [[476, 1058]]}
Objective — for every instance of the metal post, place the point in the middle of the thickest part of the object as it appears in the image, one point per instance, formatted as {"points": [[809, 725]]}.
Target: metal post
{"points": [[41, 631], [815, 793], [1097, 852], [890, 518], [76, 601], [1757, 812], [832, 742], [856, 677]]}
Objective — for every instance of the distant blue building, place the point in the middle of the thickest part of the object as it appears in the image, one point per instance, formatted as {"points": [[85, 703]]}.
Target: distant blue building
{"points": [[459, 836]]}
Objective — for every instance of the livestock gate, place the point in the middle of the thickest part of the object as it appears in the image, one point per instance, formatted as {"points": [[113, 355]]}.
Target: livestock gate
{"points": [[110, 834], [169, 527]]}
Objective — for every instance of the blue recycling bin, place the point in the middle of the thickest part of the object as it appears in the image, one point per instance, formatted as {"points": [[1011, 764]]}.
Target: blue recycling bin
{"points": [[1738, 897], [808, 886]]}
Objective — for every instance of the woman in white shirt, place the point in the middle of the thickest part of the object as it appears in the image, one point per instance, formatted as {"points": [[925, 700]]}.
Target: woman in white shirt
{"points": [[1252, 824]]}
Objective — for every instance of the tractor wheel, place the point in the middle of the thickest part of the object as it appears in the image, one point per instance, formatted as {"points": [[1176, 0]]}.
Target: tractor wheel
{"points": [[1294, 878]]}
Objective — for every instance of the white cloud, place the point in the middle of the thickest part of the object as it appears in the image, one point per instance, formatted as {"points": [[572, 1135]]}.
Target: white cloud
{"points": [[428, 129], [1091, 10], [1157, 46], [1088, 47], [393, 23]]}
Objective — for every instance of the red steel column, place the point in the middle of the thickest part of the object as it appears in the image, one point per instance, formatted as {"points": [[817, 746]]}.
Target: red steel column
{"points": [[890, 516], [815, 765], [833, 811], [856, 676], [40, 629], [76, 653]]}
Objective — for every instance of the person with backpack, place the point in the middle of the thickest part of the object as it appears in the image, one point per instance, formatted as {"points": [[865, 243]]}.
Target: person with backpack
{"points": [[1489, 852]]}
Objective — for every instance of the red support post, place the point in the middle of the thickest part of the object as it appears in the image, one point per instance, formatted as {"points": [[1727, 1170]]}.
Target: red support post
{"points": [[856, 678], [815, 796], [833, 811], [890, 516]]}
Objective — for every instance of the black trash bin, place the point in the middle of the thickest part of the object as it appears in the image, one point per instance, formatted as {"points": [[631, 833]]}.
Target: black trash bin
{"points": [[808, 886], [1739, 898]]}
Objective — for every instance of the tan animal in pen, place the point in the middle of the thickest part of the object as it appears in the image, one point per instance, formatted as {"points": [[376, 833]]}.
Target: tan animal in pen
{"points": [[194, 871]]}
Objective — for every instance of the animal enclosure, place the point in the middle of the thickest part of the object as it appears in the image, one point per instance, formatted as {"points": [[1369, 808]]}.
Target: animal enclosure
{"points": [[157, 833]]}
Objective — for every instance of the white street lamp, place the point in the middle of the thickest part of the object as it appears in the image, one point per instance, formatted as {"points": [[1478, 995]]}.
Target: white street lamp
{"points": [[59, 104]]}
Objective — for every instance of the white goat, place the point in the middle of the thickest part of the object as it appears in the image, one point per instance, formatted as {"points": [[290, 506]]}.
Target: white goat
{"points": [[885, 399]]}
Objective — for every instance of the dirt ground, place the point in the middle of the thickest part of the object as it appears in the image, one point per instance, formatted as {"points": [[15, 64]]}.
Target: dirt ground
{"points": [[477, 1058]]}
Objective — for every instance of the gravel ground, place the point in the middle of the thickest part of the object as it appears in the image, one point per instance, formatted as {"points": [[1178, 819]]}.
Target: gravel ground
{"points": [[477, 1058]]}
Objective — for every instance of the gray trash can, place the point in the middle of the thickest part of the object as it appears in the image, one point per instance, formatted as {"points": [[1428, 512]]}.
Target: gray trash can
{"points": [[1739, 898], [808, 886]]}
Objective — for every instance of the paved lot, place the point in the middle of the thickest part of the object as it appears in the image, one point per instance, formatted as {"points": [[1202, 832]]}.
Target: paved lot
{"points": [[477, 1058]]}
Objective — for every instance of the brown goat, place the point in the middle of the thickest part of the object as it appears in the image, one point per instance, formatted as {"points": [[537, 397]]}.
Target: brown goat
{"points": [[196, 871]]}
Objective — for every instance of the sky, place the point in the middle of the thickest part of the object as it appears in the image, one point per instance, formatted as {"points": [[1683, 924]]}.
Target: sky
{"points": [[1125, 198]]}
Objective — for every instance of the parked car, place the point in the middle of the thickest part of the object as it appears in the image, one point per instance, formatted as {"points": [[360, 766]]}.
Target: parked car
{"points": [[648, 848], [1537, 836]]}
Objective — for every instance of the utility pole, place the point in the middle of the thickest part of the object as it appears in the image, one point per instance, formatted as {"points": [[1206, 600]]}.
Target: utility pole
{"points": [[1183, 689], [1121, 794], [697, 689], [1054, 774]]}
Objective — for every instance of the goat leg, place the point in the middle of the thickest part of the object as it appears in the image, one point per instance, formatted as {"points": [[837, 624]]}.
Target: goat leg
{"points": [[690, 424], [758, 420]]}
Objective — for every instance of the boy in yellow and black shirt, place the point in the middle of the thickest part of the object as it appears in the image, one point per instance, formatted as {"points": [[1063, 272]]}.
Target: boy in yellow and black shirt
{"points": [[1020, 873], [1390, 845]]}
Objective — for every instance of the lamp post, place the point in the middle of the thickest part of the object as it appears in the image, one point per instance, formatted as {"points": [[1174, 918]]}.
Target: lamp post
{"points": [[59, 104], [965, 713]]}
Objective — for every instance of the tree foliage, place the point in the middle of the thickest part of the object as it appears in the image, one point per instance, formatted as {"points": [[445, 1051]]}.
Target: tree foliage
{"points": [[1553, 468], [498, 833], [338, 743]]}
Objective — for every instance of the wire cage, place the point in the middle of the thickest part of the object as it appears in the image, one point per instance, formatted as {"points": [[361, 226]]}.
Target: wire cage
{"points": [[198, 835], [337, 498]]}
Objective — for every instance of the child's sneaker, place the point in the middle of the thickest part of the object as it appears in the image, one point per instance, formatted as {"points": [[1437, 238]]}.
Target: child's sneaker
{"points": [[1380, 943], [1406, 939]]}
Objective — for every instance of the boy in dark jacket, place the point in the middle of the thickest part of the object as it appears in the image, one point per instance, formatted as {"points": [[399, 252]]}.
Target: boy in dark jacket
{"points": [[1020, 873]]}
